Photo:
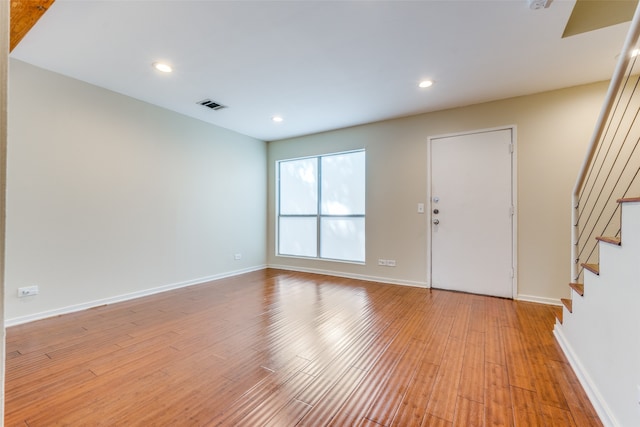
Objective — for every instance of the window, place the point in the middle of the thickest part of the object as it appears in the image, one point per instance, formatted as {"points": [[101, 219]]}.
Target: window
{"points": [[321, 207]]}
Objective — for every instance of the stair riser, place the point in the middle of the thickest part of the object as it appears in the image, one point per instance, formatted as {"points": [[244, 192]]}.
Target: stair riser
{"points": [[631, 226]]}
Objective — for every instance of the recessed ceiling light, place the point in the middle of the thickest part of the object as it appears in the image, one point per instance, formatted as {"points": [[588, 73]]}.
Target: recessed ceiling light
{"points": [[161, 66], [425, 83], [277, 119]]}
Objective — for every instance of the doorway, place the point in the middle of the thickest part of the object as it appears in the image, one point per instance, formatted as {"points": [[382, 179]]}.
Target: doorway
{"points": [[472, 212]]}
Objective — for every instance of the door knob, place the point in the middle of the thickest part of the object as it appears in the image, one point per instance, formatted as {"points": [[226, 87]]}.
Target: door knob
{"points": [[436, 221]]}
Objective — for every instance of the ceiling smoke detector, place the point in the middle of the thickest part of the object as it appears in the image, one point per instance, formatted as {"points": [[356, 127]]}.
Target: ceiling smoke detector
{"points": [[211, 104], [538, 4]]}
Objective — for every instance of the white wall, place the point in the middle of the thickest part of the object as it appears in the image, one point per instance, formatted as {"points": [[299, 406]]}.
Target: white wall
{"points": [[109, 196], [553, 130], [601, 337]]}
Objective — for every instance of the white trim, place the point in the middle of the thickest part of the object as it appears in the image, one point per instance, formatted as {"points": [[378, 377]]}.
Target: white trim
{"points": [[385, 280], [539, 300], [125, 297], [514, 199], [599, 404]]}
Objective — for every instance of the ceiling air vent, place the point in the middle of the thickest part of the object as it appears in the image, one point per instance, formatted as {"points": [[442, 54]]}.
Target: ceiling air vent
{"points": [[211, 104]]}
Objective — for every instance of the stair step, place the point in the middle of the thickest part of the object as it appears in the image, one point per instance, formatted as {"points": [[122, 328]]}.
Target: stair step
{"points": [[557, 310], [567, 303], [612, 240], [578, 287], [594, 268], [628, 200]]}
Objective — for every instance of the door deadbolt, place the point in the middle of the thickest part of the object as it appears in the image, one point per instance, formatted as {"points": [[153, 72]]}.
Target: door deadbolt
{"points": [[436, 211]]}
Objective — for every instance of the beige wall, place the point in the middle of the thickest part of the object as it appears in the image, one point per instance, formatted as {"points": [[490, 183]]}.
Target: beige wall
{"points": [[553, 130], [109, 197]]}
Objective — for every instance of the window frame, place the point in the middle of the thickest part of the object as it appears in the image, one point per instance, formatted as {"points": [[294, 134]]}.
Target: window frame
{"points": [[318, 215]]}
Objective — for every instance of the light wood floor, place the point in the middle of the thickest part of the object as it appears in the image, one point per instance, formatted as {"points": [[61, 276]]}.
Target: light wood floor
{"points": [[275, 348]]}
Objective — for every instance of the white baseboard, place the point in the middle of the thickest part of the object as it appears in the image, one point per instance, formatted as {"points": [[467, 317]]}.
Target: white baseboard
{"points": [[539, 300], [125, 297], [605, 414], [386, 280]]}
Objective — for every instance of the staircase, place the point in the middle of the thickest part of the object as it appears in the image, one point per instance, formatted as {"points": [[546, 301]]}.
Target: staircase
{"points": [[599, 327]]}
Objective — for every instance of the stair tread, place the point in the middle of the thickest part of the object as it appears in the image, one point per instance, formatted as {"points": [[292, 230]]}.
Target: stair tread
{"points": [[557, 310], [628, 200], [612, 240], [578, 287], [594, 268], [568, 303]]}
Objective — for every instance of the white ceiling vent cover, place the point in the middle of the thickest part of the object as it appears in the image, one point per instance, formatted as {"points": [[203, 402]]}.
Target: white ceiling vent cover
{"points": [[211, 104]]}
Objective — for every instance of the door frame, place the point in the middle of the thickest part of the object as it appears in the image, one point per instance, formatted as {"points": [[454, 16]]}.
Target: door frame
{"points": [[514, 198]]}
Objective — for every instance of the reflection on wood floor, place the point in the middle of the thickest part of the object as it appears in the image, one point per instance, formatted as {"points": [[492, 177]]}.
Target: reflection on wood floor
{"points": [[277, 348]]}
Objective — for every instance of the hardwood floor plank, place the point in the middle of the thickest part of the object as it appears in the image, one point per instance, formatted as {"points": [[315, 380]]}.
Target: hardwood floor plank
{"points": [[325, 380], [472, 375], [445, 390], [581, 409], [290, 414], [255, 396], [526, 408], [517, 359], [413, 407], [547, 387], [283, 348], [21, 398], [498, 406], [365, 422], [433, 421], [438, 342], [461, 321], [275, 402], [366, 395], [494, 345], [468, 413], [556, 417], [390, 397], [323, 412]]}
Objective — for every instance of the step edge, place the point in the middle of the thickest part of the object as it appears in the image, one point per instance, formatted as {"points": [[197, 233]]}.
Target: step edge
{"points": [[611, 240], [578, 287], [594, 268], [628, 200]]}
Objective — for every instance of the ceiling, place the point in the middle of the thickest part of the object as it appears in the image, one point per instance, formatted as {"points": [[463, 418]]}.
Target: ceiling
{"points": [[321, 65]]}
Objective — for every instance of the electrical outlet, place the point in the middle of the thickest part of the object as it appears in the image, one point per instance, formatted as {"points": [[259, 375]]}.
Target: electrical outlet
{"points": [[420, 207], [382, 262], [391, 263], [27, 291], [237, 256]]}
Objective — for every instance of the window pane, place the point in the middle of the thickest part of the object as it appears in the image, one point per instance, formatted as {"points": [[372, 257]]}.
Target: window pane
{"points": [[342, 238], [299, 187], [298, 236], [343, 184]]}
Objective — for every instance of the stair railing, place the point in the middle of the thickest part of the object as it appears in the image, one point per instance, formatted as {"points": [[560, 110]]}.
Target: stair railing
{"points": [[611, 167]]}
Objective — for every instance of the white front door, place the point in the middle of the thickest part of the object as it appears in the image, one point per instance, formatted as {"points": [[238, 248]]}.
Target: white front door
{"points": [[472, 210]]}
